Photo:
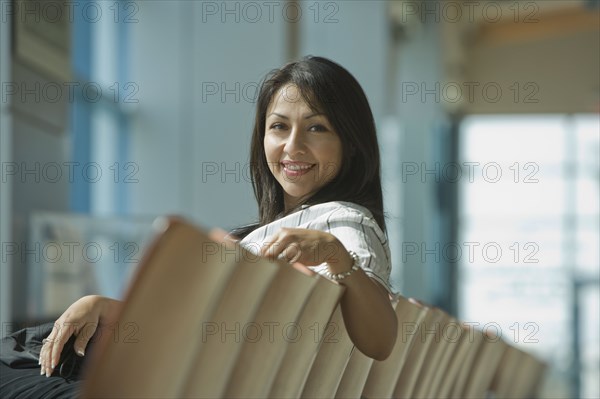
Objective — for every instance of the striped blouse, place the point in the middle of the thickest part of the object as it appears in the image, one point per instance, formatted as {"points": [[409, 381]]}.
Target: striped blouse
{"points": [[350, 223]]}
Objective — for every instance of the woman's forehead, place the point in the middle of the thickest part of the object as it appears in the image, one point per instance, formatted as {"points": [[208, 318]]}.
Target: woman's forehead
{"points": [[290, 97]]}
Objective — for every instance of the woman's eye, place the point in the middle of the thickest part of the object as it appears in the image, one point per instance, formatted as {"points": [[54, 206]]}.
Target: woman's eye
{"points": [[277, 126], [318, 128]]}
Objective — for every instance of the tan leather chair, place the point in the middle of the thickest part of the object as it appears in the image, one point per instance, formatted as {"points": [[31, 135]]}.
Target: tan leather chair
{"points": [[484, 366], [384, 375], [458, 368], [191, 303], [437, 358], [301, 353], [330, 363], [178, 277], [428, 333]]}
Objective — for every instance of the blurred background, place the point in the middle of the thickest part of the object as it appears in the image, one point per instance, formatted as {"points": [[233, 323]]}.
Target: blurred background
{"points": [[115, 112]]}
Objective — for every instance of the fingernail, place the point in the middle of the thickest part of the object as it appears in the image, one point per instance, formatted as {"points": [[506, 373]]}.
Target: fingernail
{"points": [[42, 371], [80, 352], [48, 373]]}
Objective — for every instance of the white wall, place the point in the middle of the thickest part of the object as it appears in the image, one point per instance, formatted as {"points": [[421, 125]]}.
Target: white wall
{"points": [[228, 53], [158, 127], [419, 62], [183, 133], [354, 34]]}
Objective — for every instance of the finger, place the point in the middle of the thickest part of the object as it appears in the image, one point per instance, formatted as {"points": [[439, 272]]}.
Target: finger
{"points": [[292, 252], [43, 357], [217, 234], [46, 367], [46, 349], [300, 267], [276, 251], [279, 248], [64, 333], [268, 248], [84, 337]]}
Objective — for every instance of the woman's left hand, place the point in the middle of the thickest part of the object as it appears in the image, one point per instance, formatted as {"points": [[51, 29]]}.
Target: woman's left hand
{"points": [[309, 247]]}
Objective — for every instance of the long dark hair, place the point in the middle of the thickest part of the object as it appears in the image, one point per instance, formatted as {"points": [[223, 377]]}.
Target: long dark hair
{"points": [[329, 89]]}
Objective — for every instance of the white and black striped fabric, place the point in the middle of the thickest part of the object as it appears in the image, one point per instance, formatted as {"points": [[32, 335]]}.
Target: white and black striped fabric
{"points": [[350, 223]]}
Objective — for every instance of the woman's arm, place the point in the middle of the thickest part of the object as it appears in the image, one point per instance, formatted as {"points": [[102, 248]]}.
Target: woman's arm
{"points": [[368, 314]]}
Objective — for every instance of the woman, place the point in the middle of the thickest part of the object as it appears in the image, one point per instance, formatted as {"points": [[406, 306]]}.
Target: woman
{"points": [[316, 176]]}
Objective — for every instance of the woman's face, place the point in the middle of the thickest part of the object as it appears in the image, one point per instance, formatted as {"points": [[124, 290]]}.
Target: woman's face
{"points": [[303, 151]]}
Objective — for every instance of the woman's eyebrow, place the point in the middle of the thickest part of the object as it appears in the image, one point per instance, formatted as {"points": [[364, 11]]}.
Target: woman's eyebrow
{"points": [[279, 115], [285, 117], [313, 115]]}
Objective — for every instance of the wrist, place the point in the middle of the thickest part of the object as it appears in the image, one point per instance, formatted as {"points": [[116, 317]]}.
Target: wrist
{"points": [[108, 308], [339, 272]]}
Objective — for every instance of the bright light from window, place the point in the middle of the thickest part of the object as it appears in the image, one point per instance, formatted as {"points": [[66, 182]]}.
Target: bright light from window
{"points": [[530, 216]]}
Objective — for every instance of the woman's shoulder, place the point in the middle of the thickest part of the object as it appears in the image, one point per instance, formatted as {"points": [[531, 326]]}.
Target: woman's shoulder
{"points": [[336, 211], [339, 208]]}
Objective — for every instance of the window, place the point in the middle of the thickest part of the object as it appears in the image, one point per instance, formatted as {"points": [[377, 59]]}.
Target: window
{"points": [[103, 108], [529, 233]]}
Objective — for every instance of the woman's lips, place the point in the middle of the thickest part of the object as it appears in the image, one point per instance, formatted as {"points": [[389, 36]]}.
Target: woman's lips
{"points": [[295, 169]]}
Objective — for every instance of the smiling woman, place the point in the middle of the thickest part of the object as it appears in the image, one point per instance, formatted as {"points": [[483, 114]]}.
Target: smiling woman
{"points": [[303, 151], [324, 101], [316, 175]]}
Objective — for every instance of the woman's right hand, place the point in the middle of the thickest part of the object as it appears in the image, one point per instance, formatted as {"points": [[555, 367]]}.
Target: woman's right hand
{"points": [[81, 319]]}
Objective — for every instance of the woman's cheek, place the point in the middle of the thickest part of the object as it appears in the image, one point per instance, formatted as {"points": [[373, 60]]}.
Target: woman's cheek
{"points": [[270, 149]]}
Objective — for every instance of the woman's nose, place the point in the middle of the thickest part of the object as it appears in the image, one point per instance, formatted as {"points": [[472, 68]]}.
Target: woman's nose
{"points": [[295, 143]]}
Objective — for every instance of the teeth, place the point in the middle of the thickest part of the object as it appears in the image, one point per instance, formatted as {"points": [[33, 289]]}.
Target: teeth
{"points": [[297, 167]]}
